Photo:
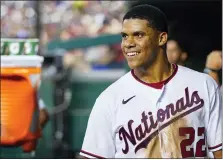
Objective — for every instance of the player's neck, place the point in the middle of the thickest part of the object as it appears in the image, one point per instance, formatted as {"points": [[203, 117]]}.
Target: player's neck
{"points": [[181, 63], [158, 71]]}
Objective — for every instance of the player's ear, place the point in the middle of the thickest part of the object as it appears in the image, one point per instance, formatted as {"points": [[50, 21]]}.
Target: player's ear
{"points": [[183, 56], [162, 38]]}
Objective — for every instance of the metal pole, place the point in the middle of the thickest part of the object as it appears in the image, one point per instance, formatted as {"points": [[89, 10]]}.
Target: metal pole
{"points": [[38, 22], [37, 19]]}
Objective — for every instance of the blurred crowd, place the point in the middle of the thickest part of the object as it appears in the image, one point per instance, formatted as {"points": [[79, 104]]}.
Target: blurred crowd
{"points": [[69, 19], [18, 19], [61, 19], [65, 20]]}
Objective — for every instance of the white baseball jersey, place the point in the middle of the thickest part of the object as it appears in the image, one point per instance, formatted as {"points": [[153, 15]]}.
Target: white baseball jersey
{"points": [[176, 118]]}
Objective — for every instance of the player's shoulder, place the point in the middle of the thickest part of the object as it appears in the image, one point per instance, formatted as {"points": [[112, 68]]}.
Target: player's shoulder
{"points": [[196, 76], [188, 71], [116, 87]]}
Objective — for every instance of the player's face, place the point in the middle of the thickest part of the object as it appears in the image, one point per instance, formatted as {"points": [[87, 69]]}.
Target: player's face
{"points": [[173, 51], [139, 42]]}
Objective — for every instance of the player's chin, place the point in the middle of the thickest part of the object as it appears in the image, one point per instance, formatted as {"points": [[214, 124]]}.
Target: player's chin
{"points": [[133, 64]]}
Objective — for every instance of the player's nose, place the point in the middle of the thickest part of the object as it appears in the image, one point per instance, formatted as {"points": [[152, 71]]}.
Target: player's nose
{"points": [[130, 42]]}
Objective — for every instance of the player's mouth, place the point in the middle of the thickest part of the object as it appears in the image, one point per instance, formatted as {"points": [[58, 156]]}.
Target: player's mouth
{"points": [[132, 54]]}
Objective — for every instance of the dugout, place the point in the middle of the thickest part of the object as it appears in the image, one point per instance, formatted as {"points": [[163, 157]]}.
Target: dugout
{"points": [[198, 35], [200, 21]]}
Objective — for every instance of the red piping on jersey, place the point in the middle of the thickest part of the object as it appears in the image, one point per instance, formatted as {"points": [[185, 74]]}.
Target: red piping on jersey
{"points": [[157, 85], [215, 146], [93, 155]]}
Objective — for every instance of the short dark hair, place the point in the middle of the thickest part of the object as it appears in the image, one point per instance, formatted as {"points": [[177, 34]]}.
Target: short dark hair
{"points": [[156, 18]]}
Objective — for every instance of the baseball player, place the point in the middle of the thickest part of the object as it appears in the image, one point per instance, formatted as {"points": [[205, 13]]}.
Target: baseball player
{"points": [[158, 109], [213, 66]]}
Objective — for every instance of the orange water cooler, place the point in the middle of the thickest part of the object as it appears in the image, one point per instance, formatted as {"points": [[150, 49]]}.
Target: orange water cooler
{"points": [[20, 80]]}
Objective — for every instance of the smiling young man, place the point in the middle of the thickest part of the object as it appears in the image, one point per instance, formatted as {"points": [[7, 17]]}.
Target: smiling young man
{"points": [[158, 109]]}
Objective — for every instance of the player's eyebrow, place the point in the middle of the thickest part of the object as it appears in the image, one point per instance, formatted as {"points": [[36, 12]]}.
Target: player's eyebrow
{"points": [[123, 34], [139, 32], [134, 33]]}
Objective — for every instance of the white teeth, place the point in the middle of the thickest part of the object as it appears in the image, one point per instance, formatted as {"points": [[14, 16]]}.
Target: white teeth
{"points": [[132, 53]]}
